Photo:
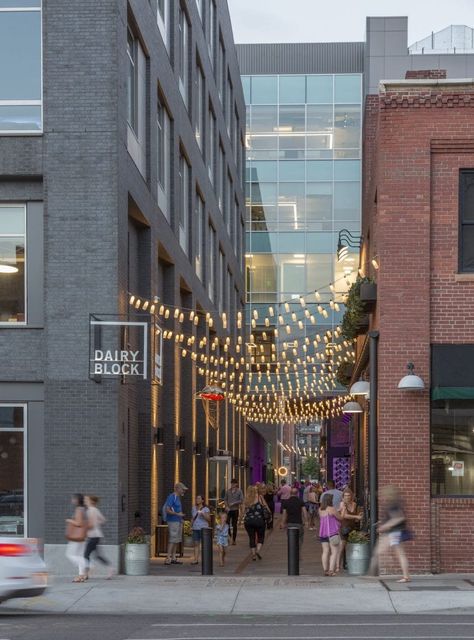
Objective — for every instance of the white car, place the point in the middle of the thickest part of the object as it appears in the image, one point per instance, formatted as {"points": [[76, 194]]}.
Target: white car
{"points": [[22, 570]]}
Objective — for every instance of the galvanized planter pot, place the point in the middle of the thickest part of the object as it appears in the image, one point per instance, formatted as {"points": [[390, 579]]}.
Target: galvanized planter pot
{"points": [[357, 558], [137, 559]]}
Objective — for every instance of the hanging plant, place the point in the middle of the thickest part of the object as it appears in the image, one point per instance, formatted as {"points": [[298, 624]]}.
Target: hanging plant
{"points": [[355, 317], [344, 373]]}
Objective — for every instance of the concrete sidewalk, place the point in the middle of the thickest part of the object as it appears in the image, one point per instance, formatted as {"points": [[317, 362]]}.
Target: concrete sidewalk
{"points": [[253, 595]]}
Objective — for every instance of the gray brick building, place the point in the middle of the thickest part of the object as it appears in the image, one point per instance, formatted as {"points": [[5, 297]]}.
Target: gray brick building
{"points": [[121, 160]]}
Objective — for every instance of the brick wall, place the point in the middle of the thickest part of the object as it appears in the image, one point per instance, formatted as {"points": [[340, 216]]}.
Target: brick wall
{"points": [[424, 135]]}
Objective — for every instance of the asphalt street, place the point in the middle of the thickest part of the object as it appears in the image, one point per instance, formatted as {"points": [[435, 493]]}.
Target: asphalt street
{"points": [[180, 627]]}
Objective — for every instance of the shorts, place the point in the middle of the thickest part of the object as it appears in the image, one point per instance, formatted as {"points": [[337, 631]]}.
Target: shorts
{"points": [[175, 532], [197, 535], [323, 539], [395, 538]]}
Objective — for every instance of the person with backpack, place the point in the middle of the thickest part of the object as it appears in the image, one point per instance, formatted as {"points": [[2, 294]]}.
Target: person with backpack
{"points": [[172, 514], [256, 515]]}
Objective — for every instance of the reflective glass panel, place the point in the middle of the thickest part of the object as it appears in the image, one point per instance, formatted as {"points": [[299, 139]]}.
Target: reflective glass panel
{"points": [[292, 242], [347, 126], [319, 170], [20, 55], [292, 89], [347, 89], [20, 118], [347, 201], [20, 4], [319, 270], [264, 217], [262, 273], [263, 192], [261, 242], [12, 265], [319, 89], [262, 171], [246, 88], [292, 170], [320, 127], [264, 89], [347, 170]]}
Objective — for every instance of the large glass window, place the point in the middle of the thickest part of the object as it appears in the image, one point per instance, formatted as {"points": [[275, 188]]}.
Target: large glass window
{"points": [[200, 230], [229, 102], [163, 20], [163, 124], [264, 90], [466, 220], [222, 176], [319, 89], [347, 89], [184, 217], [222, 272], [452, 447], [20, 66], [347, 126], [347, 201], [211, 31], [183, 55], [132, 81], [292, 89], [221, 74], [12, 263], [211, 152], [12, 470], [211, 281], [199, 116]]}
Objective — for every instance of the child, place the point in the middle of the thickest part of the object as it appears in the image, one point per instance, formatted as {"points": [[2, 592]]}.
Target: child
{"points": [[222, 535]]}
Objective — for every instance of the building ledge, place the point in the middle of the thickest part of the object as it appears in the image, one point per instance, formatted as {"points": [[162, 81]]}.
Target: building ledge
{"points": [[464, 277]]}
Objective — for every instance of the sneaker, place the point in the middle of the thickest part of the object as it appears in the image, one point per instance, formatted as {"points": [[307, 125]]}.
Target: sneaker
{"points": [[176, 562]]}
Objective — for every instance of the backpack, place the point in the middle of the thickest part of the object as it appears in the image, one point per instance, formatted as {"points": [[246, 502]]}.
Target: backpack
{"points": [[164, 512]]}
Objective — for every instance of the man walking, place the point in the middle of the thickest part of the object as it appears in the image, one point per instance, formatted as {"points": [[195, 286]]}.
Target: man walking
{"points": [[294, 513], [174, 518], [336, 494], [233, 501]]}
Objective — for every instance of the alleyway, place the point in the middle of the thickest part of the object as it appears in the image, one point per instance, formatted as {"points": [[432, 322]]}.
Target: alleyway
{"points": [[239, 561]]}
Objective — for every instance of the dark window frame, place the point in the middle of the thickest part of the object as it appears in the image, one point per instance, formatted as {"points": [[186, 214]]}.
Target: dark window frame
{"points": [[463, 175]]}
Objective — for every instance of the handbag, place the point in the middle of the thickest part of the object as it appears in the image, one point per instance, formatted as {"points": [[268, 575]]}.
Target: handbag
{"points": [[335, 539], [76, 533]]}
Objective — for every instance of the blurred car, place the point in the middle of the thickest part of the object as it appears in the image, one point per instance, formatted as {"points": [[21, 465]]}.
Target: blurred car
{"points": [[22, 571]]}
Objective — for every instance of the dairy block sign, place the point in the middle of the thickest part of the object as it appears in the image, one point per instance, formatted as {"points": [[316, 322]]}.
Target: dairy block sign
{"points": [[118, 349]]}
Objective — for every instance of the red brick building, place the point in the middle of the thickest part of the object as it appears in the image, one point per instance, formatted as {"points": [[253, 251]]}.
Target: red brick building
{"points": [[418, 222]]}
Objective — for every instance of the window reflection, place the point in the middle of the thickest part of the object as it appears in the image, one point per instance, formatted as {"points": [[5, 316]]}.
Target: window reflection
{"points": [[12, 471]]}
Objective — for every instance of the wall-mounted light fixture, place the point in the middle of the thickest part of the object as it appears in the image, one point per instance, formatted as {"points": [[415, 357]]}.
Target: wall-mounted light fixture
{"points": [[159, 436], [411, 382], [352, 407], [197, 449], [345, 240], [360, 388], [181, 443]]}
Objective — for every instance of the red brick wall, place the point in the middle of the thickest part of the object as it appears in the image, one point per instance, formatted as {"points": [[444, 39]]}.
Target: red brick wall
{"points": [[413, 228]]}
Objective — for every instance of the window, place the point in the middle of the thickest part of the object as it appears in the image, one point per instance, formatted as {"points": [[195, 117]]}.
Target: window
{"points": [[235, 137], [20, 67], [212, 264], [264, 90], [211, 35], [163, 20], [211, 156], [222, 272], [222, 174], [200, 6], [12, 263], [230, 200], [132, 81], [466, 221], [200, 222], [183, 56], [12, 470], [229, 107], [163, 157], [199, 125], [228, 295], [221, 75], [184, 217]]}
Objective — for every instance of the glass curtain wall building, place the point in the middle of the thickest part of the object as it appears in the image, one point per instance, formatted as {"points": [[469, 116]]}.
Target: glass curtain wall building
{"points": [[303, 185]]}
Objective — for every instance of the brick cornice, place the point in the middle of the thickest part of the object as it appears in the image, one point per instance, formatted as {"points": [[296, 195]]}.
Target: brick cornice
{"points": [[457, 146], [426, 99]]}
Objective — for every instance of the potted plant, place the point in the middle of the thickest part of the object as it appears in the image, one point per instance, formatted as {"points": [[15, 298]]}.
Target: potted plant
{"points": [[357, 553], [368, 294], [356, 319], [187, 534], [137, 553]]}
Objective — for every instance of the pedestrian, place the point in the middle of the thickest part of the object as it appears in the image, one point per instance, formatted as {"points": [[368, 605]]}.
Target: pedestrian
{"points": [[222, 537], [95, 520], [76, 532], [393, 532], [201, 519], [284, 492], [351, 519], [269, 498], [254, 520], [295, 514], [335, 493], [233, 500], [329, 525], [174, 516], [313, 505]]}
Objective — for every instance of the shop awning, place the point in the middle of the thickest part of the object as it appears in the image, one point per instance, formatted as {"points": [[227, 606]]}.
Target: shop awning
{"points": [[452, 393], [452, 372]]}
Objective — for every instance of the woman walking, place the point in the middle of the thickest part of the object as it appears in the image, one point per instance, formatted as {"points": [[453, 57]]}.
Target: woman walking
{"points": [[329, 525], [76, 529], [351, 517], [393, 532], [95, 520], [254, 520], [269, 498], [201, 518]]}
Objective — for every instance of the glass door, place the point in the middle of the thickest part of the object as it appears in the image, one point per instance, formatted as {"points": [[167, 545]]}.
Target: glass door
{"points": [[219, 480]]}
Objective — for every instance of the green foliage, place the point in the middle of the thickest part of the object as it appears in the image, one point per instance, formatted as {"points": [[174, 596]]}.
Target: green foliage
{"points": [[354, 309], [344, 372], [187, 528], [358, 537], [137, 536], [311, 467]]}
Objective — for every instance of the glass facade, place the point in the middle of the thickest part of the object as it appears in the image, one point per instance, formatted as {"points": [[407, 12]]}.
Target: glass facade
{"points": [[303, 185]]}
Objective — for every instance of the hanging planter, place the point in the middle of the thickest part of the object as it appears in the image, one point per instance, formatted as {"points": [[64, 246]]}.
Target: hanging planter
{"points": [[355, 320]]}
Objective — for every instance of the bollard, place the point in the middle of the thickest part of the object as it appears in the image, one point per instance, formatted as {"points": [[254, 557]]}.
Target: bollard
{"points": [[206, 552], [293, 551]]}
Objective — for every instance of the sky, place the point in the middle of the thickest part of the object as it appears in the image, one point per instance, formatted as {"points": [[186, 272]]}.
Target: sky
{"points": [[339, 20]]}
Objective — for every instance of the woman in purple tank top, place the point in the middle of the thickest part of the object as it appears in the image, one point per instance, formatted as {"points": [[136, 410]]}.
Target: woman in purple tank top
{"points": [[329, 525]]}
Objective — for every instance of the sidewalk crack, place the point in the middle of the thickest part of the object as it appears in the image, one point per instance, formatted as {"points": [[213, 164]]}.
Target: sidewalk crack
{"points": [[237, 597], [78, 600]]}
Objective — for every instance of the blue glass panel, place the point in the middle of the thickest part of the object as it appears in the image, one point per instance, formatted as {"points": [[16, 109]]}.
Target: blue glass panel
{"points": [[292, 243], [20, 118], [319, 270], [319, 89], [347, 170], [347, 89], [347, 202], [264, 90], [263, 171], [262, 242], [246, 88], [321, 242], [263, 191], [292, 170], [20, 55], [20, 4], [347, 126], [319, 170], [292, 89]]}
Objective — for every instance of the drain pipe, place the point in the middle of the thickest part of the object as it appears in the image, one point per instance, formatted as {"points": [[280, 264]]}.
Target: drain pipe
{"points": [[373, 356]]}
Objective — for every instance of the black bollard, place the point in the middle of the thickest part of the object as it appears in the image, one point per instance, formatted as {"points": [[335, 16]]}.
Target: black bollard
{"points": [[206, 552], [293, 551]]}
